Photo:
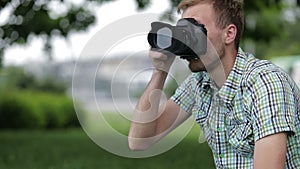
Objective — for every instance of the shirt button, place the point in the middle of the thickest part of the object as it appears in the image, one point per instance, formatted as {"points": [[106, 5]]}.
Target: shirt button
{"points": [[219, 129], [222, 155]]}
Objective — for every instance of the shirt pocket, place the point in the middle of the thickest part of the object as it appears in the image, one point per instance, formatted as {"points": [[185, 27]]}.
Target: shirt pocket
{"points": [[240, 137], [200, 113]]}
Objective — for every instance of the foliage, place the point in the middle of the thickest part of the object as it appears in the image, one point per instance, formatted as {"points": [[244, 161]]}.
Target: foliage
{"points": [[19, 112], [28, 102], [18, 78], [30, 17], [28, 109], [290, 43]]}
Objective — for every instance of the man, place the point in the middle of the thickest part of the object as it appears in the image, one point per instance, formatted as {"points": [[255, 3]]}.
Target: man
{"points": [[248, 109]]}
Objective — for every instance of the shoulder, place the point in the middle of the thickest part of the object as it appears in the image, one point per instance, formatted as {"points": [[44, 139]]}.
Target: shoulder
{"points": [[257, 70], [263, 78]]}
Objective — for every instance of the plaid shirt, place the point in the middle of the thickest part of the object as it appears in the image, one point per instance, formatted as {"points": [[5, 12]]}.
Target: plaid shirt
{"points": [[258, 99]]}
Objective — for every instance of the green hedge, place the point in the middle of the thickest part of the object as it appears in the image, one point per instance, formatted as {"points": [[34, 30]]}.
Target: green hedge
{"points": [[29, 109]]}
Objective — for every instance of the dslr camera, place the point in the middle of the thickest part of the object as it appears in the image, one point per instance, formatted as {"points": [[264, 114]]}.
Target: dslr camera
{"points": [[188, 39]]}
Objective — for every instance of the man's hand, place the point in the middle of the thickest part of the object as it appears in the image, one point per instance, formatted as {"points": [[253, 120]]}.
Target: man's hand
{"points": [[270, 152], [161, 61]]}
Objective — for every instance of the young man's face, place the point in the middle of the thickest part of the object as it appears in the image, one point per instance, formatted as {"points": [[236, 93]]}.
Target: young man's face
{"points": [[203, 13]]}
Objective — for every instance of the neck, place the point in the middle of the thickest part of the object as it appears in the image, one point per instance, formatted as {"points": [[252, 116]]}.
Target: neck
{"points": [[220, 72]]}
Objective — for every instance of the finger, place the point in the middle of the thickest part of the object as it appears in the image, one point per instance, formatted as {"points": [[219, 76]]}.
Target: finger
{"points": [[157, 55]]}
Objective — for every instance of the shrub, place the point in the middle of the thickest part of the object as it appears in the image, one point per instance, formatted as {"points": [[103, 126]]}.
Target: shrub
{"points": [[18, 78], [50, 108], [71, 119], [18, 112], [59, 111], [31, 109]]}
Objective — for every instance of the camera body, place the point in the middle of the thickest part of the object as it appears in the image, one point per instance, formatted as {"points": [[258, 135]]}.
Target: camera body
{"points": [[188, 39]]}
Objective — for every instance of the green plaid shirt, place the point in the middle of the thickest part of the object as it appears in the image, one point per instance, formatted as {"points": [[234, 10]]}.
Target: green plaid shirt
{"points": [[258, 99]]}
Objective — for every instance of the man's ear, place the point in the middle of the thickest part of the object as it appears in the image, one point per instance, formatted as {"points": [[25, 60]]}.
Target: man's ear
{"points": [[230, 34]]}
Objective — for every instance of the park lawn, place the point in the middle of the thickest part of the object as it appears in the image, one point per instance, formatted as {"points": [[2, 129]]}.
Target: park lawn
{"points": [[73, 149]]}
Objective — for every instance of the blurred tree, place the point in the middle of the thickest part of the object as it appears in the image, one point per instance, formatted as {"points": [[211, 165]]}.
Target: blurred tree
{"points": [[19, 79], [290, 43], [37, 18], [31, 17]]}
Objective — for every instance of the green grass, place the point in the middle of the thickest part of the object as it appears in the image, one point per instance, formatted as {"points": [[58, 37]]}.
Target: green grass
{"points": [[73, 149]]}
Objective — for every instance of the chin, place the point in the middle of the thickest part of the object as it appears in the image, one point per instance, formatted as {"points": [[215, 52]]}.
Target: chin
{"points": [[196, 67]]}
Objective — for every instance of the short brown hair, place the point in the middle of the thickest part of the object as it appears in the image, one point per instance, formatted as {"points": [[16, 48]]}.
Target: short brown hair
{"points": [[227, 12]]}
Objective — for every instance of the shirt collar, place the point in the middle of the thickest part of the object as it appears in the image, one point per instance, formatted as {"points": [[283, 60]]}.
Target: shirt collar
{"points": [[230, 88], [206, 81]]}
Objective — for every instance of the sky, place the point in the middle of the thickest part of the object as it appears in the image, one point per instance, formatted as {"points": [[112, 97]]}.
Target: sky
{"points": [[71, 48]]}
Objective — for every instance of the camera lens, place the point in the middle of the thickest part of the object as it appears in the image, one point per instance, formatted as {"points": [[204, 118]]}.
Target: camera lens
{"points": [[164, 38], [181, 41]]}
